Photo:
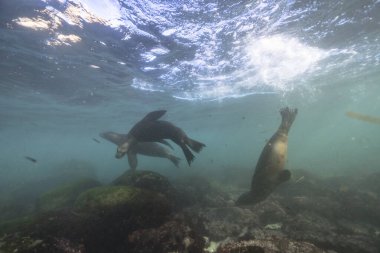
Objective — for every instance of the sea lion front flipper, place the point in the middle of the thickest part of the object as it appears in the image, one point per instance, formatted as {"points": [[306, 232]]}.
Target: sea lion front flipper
{"points": [[155, 115], [166, 143], [283, 176], [132, 160]]}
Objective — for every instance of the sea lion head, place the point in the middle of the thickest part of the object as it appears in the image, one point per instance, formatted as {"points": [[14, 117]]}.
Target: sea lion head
{"points": [[125, 147]]}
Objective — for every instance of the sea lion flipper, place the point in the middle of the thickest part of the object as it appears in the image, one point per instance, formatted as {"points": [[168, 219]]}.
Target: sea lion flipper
{"points": [[195, 145], [132, 160], [166, 143], [155, 115], [189, 156], [283, 176], [288, 116]]}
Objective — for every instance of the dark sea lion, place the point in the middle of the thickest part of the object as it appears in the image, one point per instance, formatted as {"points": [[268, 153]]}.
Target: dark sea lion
{"points": [[151, 129], [142, 148], [270, 172]]}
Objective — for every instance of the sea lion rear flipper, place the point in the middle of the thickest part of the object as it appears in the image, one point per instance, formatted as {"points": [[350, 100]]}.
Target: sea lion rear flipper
{"points": [[166, 143], [283, 176], [189, 156], [155, 115], [195, 145], [132, 160]]}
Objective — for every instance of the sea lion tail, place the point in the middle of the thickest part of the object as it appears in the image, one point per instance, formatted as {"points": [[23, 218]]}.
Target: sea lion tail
{"points": [[174, 160], [189, 156], [196, 146], [288, 116]]}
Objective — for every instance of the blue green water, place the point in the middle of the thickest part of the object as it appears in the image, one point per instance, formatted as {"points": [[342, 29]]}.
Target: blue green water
{"points": [[223, 69]]}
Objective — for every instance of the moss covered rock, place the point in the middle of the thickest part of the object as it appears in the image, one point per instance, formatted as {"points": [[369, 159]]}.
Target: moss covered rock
{"points": [[15, 225], [99, 221], [64, 196], [113, 198], [145, 179], [123, 208]]}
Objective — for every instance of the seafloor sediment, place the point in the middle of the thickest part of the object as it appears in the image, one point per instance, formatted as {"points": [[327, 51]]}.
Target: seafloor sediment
{"points": [[145, 212]]}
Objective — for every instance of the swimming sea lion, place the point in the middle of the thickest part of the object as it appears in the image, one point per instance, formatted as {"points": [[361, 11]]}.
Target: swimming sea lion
{"points": [[142, 148], [270, 170], [151, 129]]}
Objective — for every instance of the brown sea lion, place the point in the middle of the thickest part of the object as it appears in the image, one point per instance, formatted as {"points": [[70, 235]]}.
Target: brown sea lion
{"points": [[142, 148], [270, 172], [151, 129]]}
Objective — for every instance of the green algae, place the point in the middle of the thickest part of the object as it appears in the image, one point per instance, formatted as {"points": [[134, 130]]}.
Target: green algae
{"points": [[108, 197], [15, 224], [64, 196]]}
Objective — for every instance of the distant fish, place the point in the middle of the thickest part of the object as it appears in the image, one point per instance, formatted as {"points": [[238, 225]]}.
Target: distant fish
{"points": [[96, 140], [31, 159], [363, 117]]}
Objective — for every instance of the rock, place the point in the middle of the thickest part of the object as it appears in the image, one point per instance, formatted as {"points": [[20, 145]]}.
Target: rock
{"points": [[304, 183], [173, 236], [27, 244], [371, 183], [220, 223], [148, 180], [14, 243], [15, 225], [196, 190], [269, 245], [64, 196], [326, 234], [100, 220], [113, 198], [360, 206]]}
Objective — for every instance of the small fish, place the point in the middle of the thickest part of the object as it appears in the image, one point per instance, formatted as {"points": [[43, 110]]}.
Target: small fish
{"points": [[96, 140], [31, 159]]}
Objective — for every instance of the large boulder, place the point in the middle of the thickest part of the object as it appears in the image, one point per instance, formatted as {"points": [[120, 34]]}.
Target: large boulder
{"points": [[99, 221], [146, 179], [110, 199], [173, 236]]}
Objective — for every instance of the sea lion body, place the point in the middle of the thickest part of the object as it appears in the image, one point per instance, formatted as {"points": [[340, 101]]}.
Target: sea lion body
{"points": [[142, 148], [270, 172], [150, 129]]}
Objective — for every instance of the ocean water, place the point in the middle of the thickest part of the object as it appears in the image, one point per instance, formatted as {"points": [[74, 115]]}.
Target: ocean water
{"points": [[222, 70]]}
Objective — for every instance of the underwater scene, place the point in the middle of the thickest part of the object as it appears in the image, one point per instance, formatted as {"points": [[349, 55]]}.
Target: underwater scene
{"points": [[190, 126]]}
